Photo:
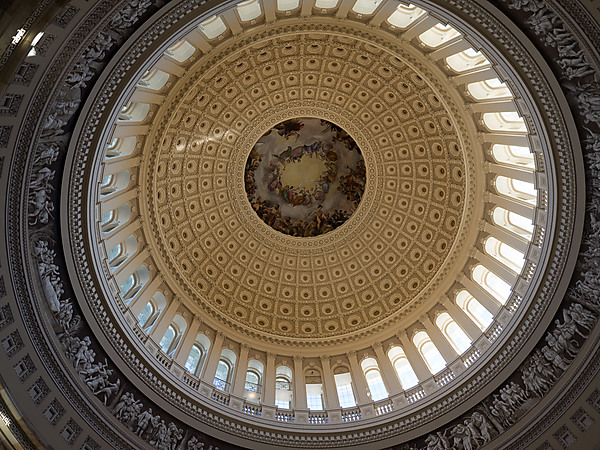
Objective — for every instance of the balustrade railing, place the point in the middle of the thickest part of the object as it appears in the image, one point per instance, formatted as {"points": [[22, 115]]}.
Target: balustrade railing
{"points": [[318, 417], [252, 410], [220, 397], [415, 394], [383, 407], [444, 377], [281, 416], [351, 415]]}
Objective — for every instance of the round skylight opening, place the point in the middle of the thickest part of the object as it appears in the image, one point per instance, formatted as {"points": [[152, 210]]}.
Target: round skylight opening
{"points": [[305, 177]]}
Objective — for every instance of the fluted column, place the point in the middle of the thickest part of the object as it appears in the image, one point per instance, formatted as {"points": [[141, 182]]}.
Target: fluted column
{"points": [[239, 382], [160, 327], [388, 373], [358, 378], [299, 384], [183, 351], [213, 358], [331, 398], [269, 381]]}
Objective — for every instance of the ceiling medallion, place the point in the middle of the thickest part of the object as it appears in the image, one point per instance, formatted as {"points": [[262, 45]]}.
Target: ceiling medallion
{"points": [[305, 177]]}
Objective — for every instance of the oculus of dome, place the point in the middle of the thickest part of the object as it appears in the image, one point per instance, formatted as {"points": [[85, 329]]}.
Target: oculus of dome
{"points": [[305, 177]]}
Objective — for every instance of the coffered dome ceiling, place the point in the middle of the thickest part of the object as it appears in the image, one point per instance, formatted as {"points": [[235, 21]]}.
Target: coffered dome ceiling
{"points": [[304, 223], [394, 251]]}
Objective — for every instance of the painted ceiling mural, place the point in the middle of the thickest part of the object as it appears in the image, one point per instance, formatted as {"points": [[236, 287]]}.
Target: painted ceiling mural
{"points": [[305, 177]]}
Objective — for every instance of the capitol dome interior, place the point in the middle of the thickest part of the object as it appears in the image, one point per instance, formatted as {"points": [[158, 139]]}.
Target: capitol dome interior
{"points": [[271, 224]]}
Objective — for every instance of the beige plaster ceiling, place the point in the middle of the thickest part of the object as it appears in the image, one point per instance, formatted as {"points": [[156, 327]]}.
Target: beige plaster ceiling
{"points": [[398, 250]]}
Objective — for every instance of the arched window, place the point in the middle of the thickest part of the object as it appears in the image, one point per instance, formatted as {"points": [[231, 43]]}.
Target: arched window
{"points": [[167, 339], [213, 27], [403, 368], [374, 381], [438, 35], [121, 252], [492, 283], [433, 358], [466, 60], [283, 387], [455, 334], [287, 5], [115, 182], [172, 336], [504, 121], [134, 283], [115, 218], [343, 385], [475, 310], [145, 315], [134, 112], [193, 360], [181, 51], [365, 7], [249, 10], [197, 355], [154, 79], [121, 147], [326, 4], [504, 253], [513, 222], [513, 155], [314, 389], [225, 369], [489, 89], [254, 380], [405, 15], [518, 189]]}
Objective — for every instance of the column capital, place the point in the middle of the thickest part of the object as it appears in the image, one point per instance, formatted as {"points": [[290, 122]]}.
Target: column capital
{"points": [[297, 358]]}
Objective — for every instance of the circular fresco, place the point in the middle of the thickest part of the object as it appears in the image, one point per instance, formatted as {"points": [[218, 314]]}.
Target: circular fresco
{"points": [[305, 177]]}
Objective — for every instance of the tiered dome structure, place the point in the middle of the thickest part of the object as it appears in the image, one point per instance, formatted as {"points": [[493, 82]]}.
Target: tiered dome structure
{"points": [[310, 223]]}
